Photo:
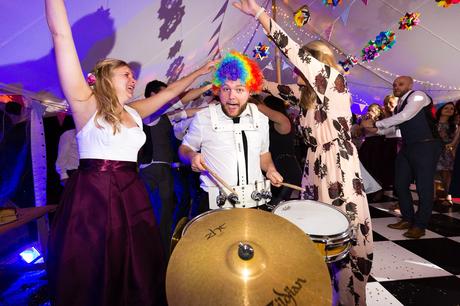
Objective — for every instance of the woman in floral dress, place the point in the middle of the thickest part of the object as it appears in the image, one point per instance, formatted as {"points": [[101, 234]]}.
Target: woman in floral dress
{"points": [[332, 173]]}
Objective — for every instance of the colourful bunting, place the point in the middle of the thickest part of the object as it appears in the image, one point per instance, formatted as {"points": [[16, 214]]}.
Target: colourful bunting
{"points": [[332, 3], [349, 62], [385, 40], [447, 3], [370, 52], [261, 51], [409, 21], [302, 16]]}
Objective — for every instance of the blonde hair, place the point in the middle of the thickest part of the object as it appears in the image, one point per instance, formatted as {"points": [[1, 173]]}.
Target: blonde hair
{"points": [[106, 98], [388, 98], [375, 106], [322, 53]]}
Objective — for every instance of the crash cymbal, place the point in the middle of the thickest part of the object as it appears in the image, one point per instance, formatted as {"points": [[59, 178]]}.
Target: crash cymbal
{"points": [[246, 257]]}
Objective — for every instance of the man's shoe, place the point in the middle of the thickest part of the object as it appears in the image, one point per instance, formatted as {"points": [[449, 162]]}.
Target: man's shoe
{"points": [[415, 232], [401, 225]]}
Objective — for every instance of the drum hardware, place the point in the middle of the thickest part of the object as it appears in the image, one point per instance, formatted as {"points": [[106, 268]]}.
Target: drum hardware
{"points": [[256, 195], [221, 198], [233, 198], [245, 251], [266, 193]]}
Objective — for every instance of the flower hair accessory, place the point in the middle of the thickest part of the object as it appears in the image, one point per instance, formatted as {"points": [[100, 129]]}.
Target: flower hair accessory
{"points": [[91, 79]]}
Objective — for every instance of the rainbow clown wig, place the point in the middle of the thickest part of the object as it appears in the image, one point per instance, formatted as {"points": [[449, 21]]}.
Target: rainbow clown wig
{"points": [[234, 66]]}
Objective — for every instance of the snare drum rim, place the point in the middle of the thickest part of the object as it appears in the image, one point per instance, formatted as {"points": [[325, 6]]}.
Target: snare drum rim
{"points": [[340, 237], [202, 215]]}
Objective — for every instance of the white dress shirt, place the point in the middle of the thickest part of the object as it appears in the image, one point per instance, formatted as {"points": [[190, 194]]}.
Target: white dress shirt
{"points": [[219, 149], [416, 102], [68, 157]]}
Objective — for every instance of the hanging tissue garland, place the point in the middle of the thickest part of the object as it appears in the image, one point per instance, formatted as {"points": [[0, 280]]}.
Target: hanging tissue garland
{"points": [[447, 3], [409, 21], [349, 62], [261, 51], [385, 40], [302, 16], [332, 3], [370, 52]]}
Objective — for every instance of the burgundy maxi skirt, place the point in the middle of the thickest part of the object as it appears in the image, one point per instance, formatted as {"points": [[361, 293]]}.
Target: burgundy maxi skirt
{"points": [[104, 246]]}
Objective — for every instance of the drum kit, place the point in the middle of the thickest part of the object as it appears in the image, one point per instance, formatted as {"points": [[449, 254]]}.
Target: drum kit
{"points": [[239, 256]]}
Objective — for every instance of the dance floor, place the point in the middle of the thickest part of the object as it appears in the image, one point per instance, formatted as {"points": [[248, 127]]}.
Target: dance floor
{"points": [[418, 272], [423, 271]]}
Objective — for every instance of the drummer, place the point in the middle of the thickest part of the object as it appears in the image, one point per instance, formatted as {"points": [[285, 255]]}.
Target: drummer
{"points": [[232, 140]]}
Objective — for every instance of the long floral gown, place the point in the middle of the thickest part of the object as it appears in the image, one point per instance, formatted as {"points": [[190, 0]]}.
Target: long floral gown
{"points": [[332, 173]]}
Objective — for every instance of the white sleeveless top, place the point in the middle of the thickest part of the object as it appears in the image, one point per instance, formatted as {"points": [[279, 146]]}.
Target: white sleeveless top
{"points": [[101, 143]]}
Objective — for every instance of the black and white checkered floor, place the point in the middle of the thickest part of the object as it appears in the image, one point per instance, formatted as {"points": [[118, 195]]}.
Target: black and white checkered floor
{"points": [[423, 271]]}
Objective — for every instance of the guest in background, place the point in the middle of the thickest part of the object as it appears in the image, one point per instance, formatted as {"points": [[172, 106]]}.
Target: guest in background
{"points": [[418, 156], [281, 146], [392, 143], [445, 124], [68, 158], [371, 151]]}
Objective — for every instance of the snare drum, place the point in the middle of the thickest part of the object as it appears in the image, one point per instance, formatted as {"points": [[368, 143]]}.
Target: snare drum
{"points": [[329, 228]]}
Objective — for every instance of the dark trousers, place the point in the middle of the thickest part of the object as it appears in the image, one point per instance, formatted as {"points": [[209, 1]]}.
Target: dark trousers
{"points": [[417, 162], [159, 181], [186, 186]]}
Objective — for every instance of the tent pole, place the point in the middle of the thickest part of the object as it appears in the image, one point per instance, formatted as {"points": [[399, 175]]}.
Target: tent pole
{"points": [[277, 51]]}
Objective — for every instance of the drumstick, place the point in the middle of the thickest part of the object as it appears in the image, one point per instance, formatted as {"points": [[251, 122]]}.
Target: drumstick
{"points": [[295, 187], [218, 178]]}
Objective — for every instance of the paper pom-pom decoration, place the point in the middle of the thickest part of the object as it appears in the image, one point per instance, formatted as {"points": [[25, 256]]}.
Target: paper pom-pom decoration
{"points": [[385, 40], [332, 2], [349, 62], [301, 16], [447, 3], [409, 21], [370, 52], [261, 51]]}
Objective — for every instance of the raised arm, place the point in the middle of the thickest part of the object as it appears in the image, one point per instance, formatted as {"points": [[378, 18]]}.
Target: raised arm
{"points": [[287, 92], [307, 64], [73, 83], [194, 93], [281, 122], [147, 106]]}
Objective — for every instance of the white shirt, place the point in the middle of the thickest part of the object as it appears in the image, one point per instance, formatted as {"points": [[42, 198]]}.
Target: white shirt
{"points": [[416, 102], [67, 158], [218, 147], [101, 143]]}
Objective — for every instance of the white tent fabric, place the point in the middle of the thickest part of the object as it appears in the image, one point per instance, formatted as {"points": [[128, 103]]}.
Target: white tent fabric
{"points": [[166, 39]]}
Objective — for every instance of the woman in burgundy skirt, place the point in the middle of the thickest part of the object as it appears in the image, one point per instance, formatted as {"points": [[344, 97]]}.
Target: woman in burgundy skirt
{"points": [[104, 246]]}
